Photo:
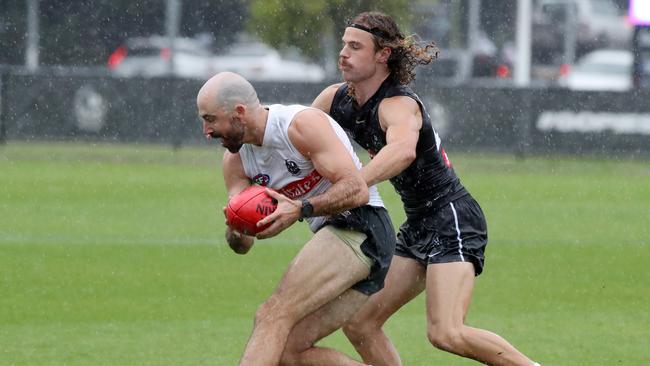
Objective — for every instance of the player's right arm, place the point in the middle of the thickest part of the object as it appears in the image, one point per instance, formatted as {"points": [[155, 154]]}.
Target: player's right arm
{"points": [[324, 100], [236, 181]]}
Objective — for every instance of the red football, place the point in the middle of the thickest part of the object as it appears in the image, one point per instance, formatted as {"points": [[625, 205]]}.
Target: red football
{"points": [[248, 207]]}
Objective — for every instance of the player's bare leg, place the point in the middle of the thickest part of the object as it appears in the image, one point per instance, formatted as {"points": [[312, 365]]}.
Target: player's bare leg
{"points": [[323, 269], [404, 281], [449, 291], [300, 349]]}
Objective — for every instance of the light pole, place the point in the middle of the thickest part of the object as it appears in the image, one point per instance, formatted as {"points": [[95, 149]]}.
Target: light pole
{"points": [[31, 52], [523, 40], [172, 24]]}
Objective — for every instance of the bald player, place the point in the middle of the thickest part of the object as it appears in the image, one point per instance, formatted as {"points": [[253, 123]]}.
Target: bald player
{"points": [[304, 155]]}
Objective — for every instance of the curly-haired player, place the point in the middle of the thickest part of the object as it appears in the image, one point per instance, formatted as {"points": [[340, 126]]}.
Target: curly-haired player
{"points": [[440, 248]]}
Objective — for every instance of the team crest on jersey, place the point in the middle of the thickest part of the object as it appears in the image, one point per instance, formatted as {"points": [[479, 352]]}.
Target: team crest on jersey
{"points": [[292, 167], [262, 179]]}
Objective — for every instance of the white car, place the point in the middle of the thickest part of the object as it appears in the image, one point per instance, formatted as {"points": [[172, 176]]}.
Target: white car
{"points": [[598, 22], [604, 69], [258, 62], [151, 57]]}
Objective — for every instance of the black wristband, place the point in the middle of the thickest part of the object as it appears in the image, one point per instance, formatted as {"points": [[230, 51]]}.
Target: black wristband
{"points": [[307, 210]]}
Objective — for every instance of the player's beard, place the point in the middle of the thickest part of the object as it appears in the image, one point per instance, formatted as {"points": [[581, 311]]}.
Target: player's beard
{"points": [[235, 138]]}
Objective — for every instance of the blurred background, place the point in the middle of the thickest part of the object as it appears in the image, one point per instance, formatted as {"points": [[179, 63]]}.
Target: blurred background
{"points": [[112, 248], [214, 35], [515, 75]]}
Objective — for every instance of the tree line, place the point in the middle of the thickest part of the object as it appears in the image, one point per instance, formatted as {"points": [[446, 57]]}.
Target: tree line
{"points": [[85, 32]]}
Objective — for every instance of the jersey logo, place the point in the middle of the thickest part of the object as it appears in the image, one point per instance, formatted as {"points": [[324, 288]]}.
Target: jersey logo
{"points": [[292, 167], [302, 186], [262, 179], [360, 121]]}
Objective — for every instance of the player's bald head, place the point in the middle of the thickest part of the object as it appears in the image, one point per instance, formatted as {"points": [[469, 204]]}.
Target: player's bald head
{"points": [[225, 90]]}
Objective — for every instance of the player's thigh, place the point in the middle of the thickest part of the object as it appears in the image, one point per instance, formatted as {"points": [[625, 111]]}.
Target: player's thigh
{"points": [[324, 321], [404, 281], [449, 288], [324, 268]]}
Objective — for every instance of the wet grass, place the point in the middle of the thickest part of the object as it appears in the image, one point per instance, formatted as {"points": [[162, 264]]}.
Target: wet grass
{"points": [[114, 254]]}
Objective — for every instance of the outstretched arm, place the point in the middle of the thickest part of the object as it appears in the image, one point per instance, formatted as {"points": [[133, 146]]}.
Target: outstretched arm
{"points": [[312, 134], [401, 118], [236, 181]]}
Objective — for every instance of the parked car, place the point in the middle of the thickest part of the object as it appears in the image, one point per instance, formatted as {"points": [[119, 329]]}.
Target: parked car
{"points": [[452, 67], [459, 67], [604, 69], [152, 57], [598, 24], [257, 61]]}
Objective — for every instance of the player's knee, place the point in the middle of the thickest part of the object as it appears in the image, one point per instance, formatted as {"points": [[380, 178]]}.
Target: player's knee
{"points": [[445, 338], [356, 330], [353, 332]]}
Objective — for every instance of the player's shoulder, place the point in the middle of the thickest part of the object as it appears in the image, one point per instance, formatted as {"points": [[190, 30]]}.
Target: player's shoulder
{"points": [[333, 88], [330, 90], [308, 117], [309, 126], [398, 102], [324, 100], [394, 110]]}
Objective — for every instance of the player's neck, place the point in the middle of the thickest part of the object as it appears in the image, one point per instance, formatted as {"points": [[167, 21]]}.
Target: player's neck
{"points": [[261, 116], [365, 89]]}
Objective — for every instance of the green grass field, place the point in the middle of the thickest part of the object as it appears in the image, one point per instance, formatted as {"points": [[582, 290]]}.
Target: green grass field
{"points": [[114, 255]]}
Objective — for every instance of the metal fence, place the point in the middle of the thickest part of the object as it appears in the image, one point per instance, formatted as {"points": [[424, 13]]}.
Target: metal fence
{"points": [[50, 106]]}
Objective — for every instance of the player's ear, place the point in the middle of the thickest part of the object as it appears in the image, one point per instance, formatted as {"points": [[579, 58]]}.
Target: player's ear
{"points": [[383, 55], [240, 110]]}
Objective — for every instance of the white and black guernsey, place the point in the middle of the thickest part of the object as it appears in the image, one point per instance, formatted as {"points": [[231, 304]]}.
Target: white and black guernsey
{"points": [[279, 165]]}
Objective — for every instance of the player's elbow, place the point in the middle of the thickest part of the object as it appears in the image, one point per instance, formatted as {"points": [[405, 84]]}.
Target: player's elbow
{"points": [[239, 249], [408, 155], [241, 245]]}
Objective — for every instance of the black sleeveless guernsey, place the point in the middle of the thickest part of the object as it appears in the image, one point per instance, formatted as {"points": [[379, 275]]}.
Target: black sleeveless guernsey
{"points": [[430, 181]]}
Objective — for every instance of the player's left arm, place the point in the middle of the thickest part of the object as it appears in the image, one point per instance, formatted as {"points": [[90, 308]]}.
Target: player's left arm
{"points": [[311, 133], [236, 181], [401, 118]]}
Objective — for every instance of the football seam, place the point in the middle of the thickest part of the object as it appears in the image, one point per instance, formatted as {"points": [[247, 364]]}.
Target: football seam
{"points": [[245, 203]]}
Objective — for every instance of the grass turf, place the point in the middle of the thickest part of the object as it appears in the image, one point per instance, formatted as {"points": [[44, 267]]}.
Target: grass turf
{"points": [[114, 254]]}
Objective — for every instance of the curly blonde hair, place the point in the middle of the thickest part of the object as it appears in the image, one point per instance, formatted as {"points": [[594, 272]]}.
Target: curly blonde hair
{"points": [[406, 52]]}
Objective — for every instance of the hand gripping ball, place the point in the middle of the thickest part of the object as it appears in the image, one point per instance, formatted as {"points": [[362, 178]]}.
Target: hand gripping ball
{"points": [[248, 207]]}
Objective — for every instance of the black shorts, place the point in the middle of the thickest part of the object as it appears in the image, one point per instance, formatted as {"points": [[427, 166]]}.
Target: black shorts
{"points": [[378, 246], [454, 232]]}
